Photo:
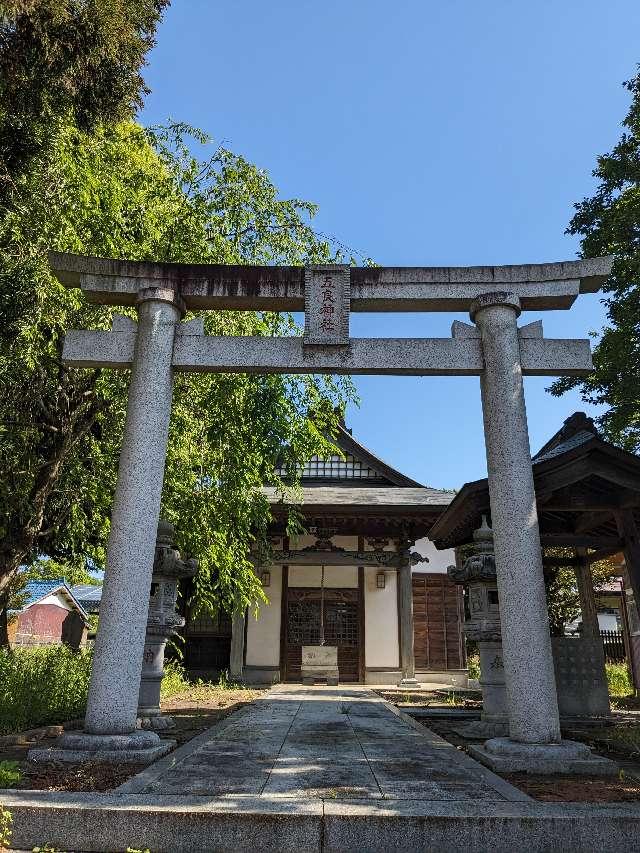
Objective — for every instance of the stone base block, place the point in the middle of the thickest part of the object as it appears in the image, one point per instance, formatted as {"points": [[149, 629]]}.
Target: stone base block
{"points": [[409, 684], [329, 680], [504, 755], [313, 674], [483, 729], [140, 747]]}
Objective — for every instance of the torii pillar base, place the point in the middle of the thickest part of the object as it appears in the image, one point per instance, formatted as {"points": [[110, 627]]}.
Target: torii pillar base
{"points": [[504, 755], [139, 747]]}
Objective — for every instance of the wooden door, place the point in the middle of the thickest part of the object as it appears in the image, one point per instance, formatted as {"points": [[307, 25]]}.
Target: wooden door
{"points": [[437, 623], [341, 628]]}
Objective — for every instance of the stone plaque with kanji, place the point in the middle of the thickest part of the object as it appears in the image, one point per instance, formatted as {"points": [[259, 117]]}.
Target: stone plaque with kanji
{"points": [[326, 305]]}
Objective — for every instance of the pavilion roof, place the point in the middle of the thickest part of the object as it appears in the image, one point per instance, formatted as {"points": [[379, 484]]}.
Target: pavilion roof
{"points": [[581, 480]]}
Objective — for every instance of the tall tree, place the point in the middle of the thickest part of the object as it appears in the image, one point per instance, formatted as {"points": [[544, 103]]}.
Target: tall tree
{"points": [[67, 61], [139, 194], [609, 223]]}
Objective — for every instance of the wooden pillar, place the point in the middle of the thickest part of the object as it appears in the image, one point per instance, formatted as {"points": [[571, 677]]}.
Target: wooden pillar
{"points": [[590, 625], [236, 659], [405, 615], [628, 530]]}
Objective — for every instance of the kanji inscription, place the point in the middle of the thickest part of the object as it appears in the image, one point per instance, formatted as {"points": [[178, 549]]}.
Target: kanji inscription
{"points": [[326, 305]]}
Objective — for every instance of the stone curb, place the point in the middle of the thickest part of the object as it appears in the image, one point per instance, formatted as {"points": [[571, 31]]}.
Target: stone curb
{"points": [[176, 824]]}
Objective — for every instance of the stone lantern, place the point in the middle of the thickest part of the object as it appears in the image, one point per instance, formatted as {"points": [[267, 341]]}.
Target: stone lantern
{"points": [[162, 623], [478, 574]]}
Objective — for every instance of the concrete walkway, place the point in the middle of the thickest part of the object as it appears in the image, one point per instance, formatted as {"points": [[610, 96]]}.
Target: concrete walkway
{"points": [[321, 743]]}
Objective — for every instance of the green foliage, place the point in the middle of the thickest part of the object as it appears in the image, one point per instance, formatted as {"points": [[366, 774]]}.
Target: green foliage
{"points": [[128, 192], [74, 61], [563, 599], [10, 774], [618, 679], [174, 680], [609, 224], [42, 685], [473, 666], [5, 828]]}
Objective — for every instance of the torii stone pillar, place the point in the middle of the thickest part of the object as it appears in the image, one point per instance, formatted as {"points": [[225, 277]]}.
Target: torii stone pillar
{"points": [[534, 740], [110, 722]]}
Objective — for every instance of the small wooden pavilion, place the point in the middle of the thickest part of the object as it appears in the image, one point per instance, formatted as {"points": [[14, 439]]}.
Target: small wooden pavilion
{"points": [[588, 502]]}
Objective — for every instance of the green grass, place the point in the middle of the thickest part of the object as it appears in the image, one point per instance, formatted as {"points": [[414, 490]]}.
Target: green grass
{"points": [[618, 680], [10, 774], [42, 685], [473, 666]]}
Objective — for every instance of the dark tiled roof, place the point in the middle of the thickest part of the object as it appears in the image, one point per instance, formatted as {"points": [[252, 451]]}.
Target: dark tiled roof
{"points": [[574, 441]]}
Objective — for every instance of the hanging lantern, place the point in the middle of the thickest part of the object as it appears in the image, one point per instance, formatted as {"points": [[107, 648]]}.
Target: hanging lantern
{"points": [[265, 578], [380, 580]]}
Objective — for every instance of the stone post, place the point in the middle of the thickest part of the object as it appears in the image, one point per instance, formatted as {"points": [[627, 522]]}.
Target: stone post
{"points": [[110, 722], [478, 574], [534, 741], [236, 658], [405, 598], [588, 609], [162, 623], [531, 689]]}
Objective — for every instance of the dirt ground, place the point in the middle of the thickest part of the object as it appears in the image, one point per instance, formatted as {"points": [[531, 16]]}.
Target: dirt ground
{"points": [[577, 789], [193, 712]]}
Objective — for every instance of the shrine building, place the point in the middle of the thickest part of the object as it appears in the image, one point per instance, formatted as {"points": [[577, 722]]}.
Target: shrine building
{"points": [[367, 528]]}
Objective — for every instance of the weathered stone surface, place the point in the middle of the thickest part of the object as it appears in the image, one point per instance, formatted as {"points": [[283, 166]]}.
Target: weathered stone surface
{"points": [[326, 305], [321, 742], [375, 356], [117, 664], [530, 680], [141, 747], [506, 756], [581, 679], [539, 286]]}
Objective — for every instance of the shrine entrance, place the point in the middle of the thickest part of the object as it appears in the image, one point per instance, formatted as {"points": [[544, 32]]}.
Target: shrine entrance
{"points": [[493, 347], [342, 613]]}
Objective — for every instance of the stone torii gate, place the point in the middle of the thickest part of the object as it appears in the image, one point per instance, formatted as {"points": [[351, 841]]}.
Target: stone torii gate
{"points": [[494, 348]]}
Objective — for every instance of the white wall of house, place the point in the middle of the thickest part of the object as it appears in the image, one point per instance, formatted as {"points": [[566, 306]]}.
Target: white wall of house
{"points": [[438, 560], [334, 576], [263, 633], [381, 647], [55, 598]]}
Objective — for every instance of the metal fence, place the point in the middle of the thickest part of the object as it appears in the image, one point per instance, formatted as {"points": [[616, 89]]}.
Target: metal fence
{"points": [[613, 642]]}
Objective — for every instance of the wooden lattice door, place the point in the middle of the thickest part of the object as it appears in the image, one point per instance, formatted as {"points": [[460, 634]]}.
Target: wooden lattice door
{"points": [[341, 628]]}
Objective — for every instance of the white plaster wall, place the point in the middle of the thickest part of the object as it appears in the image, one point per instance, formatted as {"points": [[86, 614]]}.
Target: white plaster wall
{"points": [[58, 599], [263, 633], [334, 576], [381, 620], [438, 560]]}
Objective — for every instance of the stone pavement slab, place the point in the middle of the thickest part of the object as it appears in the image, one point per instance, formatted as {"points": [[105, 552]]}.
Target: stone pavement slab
{"points": [[321, 742]]}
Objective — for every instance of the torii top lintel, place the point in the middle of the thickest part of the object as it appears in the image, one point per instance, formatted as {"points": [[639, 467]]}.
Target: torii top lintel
{"points": [[282, 288]]}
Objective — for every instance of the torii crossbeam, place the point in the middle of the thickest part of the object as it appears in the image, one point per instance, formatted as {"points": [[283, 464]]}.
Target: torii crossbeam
{"points": [[494, 348]]}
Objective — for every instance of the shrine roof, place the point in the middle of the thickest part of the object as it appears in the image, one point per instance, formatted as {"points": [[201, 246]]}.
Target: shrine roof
{"points": [[581, 481]]}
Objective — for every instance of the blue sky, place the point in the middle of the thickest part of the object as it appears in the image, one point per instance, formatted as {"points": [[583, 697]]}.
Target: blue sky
{"points": [[429, 133]]}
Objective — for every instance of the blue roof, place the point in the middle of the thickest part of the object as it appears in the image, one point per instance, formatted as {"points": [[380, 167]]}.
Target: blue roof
{"points": [[89, 595], [39, 589]]}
